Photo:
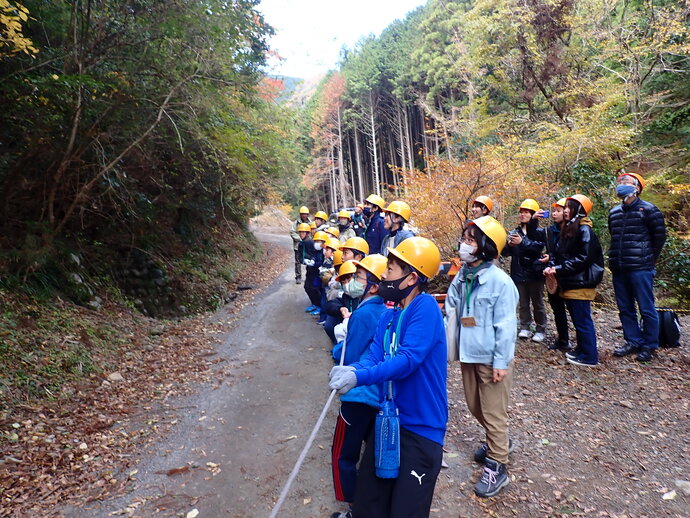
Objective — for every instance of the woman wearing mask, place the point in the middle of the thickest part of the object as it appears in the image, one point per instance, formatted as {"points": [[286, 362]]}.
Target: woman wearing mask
{"points": [[485, 298], [579, 268]]}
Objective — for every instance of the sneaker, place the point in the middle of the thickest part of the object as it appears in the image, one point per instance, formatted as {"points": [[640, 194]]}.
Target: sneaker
{"points": [[645, 355], [320, 322], [572, 354], [345, 514], [494, 478], [309, 309], [298, 281], [538, 337], [316, 310], [524, 333], [560, 345], [626, 349], [481, 452], [580, 362]]}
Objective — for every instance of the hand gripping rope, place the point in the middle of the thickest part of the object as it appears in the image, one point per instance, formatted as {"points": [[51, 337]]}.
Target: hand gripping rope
{"points": [[302, 456]]}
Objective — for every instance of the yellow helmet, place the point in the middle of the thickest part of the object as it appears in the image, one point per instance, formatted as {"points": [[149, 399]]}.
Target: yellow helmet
{"points": [[358, 244], [375, 199], [400, 208], [559, 203], [333, 243], [337, 257], [312, 225], [303, 210], [420, 253], [320, 236], [321, 215], [304, 227], [348, 268], [486, 201], [530, 204], [375, 264], [333, 231], [493, 230], [584, 201], [344, 214]]}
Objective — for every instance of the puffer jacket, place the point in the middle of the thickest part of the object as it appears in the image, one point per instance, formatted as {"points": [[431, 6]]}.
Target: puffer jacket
{"points": [[638, 234], [579, 260]]}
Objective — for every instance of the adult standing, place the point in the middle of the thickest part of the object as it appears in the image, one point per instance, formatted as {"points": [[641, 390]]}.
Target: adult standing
{"points": [[638, 234], [294, 234], [344, 227], [376, 229], [525, 250], [579, 268], [481, 206], [395, 216]]}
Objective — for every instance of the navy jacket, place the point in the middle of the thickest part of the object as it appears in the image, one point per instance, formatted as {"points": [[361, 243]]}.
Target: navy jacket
{"points": [[638, 234], [306, 250], [333, 306], [525, 254], [549, 236], [375, 233]]}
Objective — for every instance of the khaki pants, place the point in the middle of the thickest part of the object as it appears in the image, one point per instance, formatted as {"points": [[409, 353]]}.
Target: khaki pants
{"points": [[488, 402]]}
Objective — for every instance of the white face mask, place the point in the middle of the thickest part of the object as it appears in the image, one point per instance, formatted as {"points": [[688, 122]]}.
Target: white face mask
{"points": [[467, 253], [318, 246]]}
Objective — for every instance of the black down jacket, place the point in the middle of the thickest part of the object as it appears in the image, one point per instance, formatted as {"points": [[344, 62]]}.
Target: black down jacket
{"points": [[638, 234], [579, 260]]}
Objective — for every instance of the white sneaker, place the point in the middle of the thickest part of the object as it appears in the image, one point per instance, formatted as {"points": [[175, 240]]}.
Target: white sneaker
{"points": [[538, 337], [524, 333]]}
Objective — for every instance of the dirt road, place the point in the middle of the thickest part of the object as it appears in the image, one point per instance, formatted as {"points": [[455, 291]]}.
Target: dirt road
{"points": [[237, 442]]}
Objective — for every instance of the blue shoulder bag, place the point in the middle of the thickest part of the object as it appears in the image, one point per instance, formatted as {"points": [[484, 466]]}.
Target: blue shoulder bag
{"points": [[387, 432]]}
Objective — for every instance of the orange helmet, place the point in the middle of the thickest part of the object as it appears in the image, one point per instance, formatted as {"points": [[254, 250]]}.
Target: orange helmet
{"points": [[582, 200], [486, 201], [636, 176]]}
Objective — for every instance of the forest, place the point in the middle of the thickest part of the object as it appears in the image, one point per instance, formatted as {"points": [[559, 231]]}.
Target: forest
{"points": [[511, 99]]}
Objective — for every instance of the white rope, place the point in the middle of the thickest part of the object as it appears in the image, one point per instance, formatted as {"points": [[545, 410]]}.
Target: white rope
{"points": [[302, 456]]}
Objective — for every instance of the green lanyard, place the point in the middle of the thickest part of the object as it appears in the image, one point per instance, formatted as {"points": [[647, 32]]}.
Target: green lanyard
{"points": [[469, 286]]}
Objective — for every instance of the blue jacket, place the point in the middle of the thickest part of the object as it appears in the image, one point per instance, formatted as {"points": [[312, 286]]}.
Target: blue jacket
{"points": [[393, 239], [418, 369], [493, 301], [360, 332], [375, 233]]}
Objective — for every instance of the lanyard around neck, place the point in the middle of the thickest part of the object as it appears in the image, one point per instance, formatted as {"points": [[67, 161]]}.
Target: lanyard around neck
{"points": [[392, 342], [469, 286]]}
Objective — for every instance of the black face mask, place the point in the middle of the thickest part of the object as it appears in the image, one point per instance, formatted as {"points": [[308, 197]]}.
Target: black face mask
{"points": [[367, 211], [390, 290]]}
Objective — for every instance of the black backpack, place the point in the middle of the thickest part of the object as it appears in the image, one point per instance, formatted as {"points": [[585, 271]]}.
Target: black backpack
{"points": [[669, 328]]}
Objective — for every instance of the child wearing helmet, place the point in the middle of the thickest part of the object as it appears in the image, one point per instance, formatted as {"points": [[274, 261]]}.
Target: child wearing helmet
{"points": [[395, 216], [311, 254], [407, 361], [354, 249], [484, 298], [321, 220], [344, 226], [359, 406], [294, 234], [579, 268], [525, 250], [342, 307], [376, 231]]}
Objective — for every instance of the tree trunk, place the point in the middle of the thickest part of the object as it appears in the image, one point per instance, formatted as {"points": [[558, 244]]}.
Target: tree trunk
{"points": [[359, 165], [377, 179]]}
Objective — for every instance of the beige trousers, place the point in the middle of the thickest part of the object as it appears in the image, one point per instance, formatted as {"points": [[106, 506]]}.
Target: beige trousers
{"points": [[488, 402]]}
